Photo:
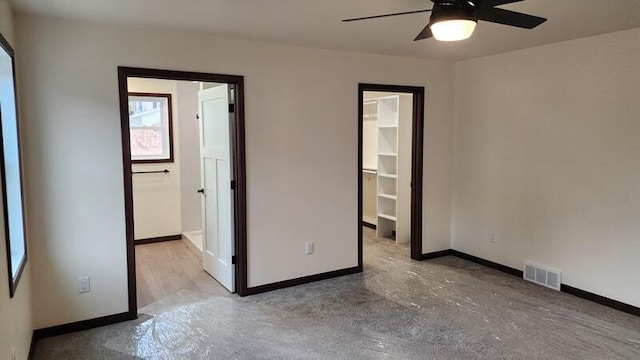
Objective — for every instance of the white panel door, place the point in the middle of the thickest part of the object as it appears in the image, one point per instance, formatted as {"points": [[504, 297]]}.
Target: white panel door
{"points": [[216, 165]]}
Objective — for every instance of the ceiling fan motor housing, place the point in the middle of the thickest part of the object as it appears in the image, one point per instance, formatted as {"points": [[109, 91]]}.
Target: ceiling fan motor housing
{"points": [[453, 10]]}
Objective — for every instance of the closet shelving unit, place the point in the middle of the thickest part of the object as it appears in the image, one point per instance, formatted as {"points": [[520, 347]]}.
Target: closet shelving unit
{"points": [[387, 193]]}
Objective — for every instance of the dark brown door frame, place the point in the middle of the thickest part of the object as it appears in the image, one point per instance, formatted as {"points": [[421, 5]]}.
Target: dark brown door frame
{"points": [[417, 145], [239, 170]]}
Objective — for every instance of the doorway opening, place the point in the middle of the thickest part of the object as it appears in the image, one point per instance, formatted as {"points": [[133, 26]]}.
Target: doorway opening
{"points": [[184, 182], [390, 159]]}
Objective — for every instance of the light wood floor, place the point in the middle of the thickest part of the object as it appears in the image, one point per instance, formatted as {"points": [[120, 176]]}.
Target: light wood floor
{"points": [[169, 268]]}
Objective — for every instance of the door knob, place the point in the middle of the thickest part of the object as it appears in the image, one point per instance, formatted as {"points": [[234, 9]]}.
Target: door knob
{"points": [[201, 191]]}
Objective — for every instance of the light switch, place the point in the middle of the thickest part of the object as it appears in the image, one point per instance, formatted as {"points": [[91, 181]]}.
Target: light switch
{"points": [[84, 284], [309, 247]]}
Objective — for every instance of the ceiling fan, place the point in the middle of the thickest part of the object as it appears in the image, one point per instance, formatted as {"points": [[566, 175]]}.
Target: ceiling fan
{"points": [[454, 20]]}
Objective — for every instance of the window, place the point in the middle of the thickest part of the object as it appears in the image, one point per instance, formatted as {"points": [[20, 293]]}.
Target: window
{"points": [[150, 128], [10, 169]]}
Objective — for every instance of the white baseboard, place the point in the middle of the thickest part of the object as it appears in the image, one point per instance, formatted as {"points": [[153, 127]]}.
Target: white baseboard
{"points": [[193, 239]]}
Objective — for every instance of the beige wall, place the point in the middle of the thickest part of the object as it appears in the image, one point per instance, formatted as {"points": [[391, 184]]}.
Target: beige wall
{"points": [[190, 182], [301, 135], [370, 144], [6, 22], [15, 313], [546, 155], [156, 197], [168, 204], [370, 162], [369, 198]]}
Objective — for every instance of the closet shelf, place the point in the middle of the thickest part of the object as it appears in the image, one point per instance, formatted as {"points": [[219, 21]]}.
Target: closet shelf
{"points": [[390, 176], [388, 217], [390, 197], [387, 126], [388, 154]]}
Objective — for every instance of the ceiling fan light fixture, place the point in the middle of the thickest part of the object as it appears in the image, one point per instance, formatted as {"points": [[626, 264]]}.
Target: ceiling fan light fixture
{"points": [[453, 30]]}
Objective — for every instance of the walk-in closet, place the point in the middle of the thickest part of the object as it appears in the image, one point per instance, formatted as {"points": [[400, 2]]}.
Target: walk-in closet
{"points": [[386, 164]]}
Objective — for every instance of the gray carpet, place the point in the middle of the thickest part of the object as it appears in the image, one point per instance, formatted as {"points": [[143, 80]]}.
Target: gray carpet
{"points": [[446, 308]]}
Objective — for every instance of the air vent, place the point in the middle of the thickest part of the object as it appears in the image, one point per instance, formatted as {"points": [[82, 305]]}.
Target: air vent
{"points": [[542, 275]]}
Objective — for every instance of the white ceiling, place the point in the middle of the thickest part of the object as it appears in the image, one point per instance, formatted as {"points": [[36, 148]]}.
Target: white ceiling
{"points": [[316, 23]]}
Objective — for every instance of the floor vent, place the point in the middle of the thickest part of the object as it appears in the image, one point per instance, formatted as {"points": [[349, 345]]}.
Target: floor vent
{"points": [[542, 275]]}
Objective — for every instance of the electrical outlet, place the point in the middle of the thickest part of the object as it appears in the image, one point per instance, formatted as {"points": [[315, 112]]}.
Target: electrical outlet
{"points": [[84, 284], [492, 237], [309, 247]]}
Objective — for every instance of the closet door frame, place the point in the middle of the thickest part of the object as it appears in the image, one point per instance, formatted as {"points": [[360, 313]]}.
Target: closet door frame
{"points": [[417, 146]]}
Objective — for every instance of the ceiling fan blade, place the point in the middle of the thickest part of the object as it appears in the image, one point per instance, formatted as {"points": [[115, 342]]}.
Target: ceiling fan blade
{"points": [[425, 33], [386, 15], [508, 17], [492, 3]]}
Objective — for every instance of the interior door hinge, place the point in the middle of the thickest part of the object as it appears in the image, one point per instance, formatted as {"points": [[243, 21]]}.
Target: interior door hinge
{"points": [[232, 108], [233, 259], [233, 184]]}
